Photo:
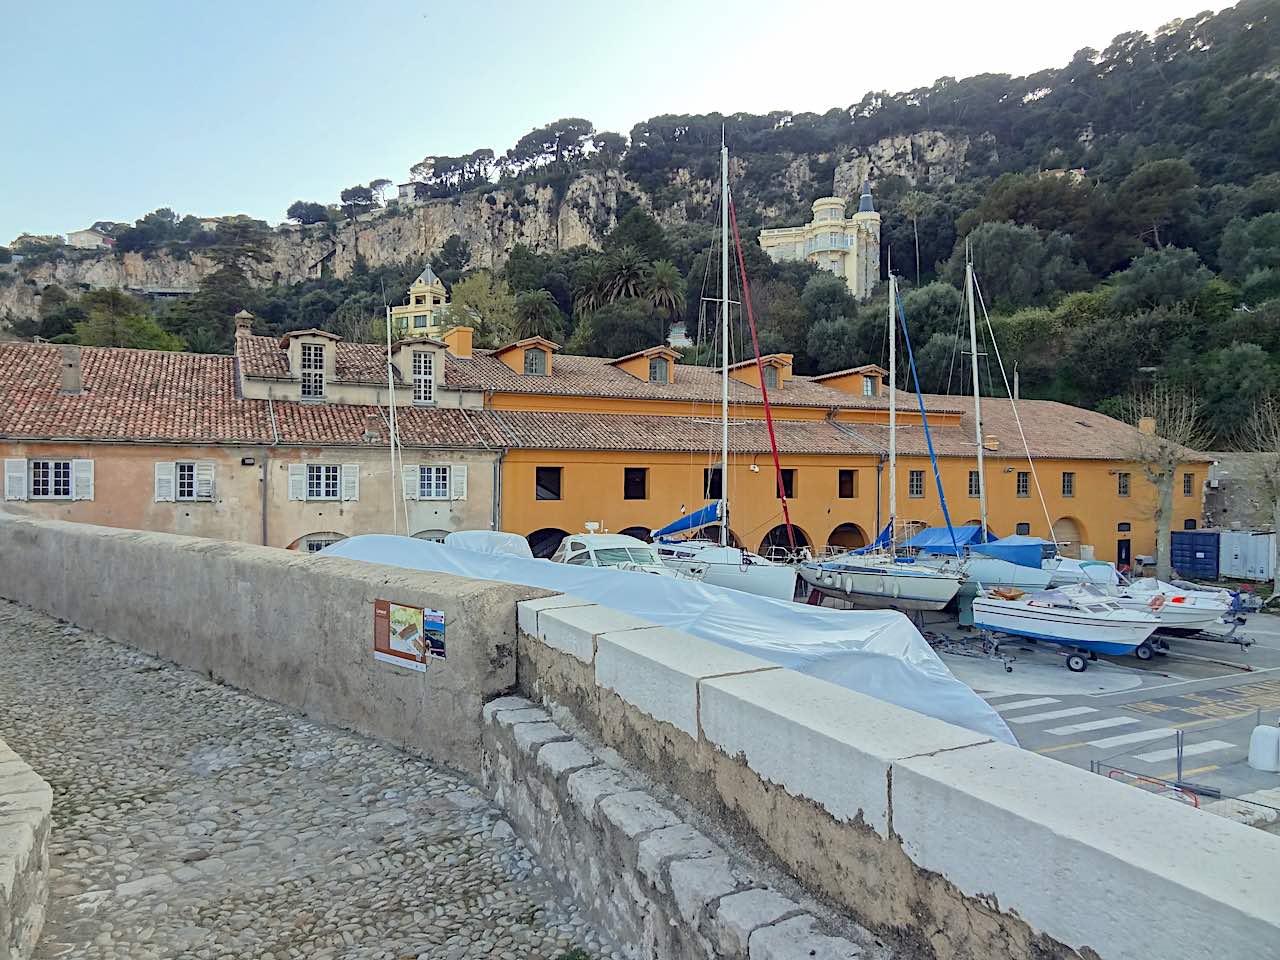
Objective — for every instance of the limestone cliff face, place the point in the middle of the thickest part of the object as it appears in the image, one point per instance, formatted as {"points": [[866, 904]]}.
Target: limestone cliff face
{"points": [[495, 221]]}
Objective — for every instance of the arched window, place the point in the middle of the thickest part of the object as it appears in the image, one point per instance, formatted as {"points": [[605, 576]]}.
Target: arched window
{"points": [[658, 370]]}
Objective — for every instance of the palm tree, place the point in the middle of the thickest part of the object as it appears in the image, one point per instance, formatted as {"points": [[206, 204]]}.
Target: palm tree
{"points": [[537, 315], [914, 205], [628, 273], [666, 289], [590, 283]]}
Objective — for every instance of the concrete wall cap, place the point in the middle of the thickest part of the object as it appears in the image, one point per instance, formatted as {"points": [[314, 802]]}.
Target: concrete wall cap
{"points": [[657, 670], [574, 630]]}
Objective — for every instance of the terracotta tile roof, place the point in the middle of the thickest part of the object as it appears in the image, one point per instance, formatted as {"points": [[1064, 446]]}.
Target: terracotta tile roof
{"points": [[574, 376], [262, 357], [154, 396], [1053, 430], [614, 431], [353, 362]]}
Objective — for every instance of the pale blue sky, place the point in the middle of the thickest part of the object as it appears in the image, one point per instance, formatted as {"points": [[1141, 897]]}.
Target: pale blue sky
{"points": [[111, 110]]}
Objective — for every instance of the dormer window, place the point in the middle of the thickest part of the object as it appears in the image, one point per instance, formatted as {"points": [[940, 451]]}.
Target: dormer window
{"points": [[659, 368], [770, 377], [868, 386], [313, 371], [535, 362], [424, 381]]}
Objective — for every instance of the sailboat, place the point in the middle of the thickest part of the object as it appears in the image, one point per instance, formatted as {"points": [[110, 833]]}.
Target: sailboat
{"points": [[720, 563], [881, 578]]}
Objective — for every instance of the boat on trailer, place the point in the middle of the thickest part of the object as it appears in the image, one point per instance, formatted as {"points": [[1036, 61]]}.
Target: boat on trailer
{"points": [[1080, 618], [1179, 611]]}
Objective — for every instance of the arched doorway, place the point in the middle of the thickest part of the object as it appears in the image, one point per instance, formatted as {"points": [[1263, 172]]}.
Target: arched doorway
{"points": [[640, 533], [544, 542], [776, 540], [1068, 533], [315, 542], [436, 536], [975, 522], [847, 536]]}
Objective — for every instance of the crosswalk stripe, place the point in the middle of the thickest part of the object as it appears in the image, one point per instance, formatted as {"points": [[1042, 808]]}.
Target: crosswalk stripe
{"points": [[1158, 756], [1019, 704], [1092, 725], [1140, 737], [1051, 715]]}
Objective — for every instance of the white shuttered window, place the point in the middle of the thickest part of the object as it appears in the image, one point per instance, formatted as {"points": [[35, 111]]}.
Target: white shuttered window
{"points": [[184, 480]]}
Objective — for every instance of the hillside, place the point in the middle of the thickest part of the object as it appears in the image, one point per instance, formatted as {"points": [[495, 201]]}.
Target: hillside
{"points": [[1123, 211]]}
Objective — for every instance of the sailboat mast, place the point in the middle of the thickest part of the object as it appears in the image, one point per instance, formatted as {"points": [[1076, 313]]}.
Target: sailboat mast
{"points": [[724, 342], [893, 414], [977, 394]]}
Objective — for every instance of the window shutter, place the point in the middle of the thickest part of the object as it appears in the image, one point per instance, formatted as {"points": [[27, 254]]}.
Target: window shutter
{"points": [[458, 482], [351, 481], [204, 480], [409, 476], [297, 481], [166, 481], [15, 479], [81, 479]]}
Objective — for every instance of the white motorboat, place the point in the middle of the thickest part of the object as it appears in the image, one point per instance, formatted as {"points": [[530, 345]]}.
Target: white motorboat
{"points": [[882, 581], [1068, 570], [1179, 611], [610, 550], [731, 567], [1080, 617]]}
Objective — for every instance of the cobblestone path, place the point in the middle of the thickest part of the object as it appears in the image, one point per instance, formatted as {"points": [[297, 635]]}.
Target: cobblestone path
{"points": [[193, 821]]}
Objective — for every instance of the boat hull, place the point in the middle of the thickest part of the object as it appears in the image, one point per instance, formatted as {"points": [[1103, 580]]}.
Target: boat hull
{"points": [[881, 588], [1178, 616], [1066, 628], [715, 565]]}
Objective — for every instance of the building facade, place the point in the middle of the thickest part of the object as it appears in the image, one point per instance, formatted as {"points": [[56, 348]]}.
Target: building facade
{"points": [[423, 314], [849, 247], [287, 443]]}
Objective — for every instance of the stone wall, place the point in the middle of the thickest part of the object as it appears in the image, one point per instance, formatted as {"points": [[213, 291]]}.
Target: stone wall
{"points": [[293, 628], [25, 805], [942, 842]]}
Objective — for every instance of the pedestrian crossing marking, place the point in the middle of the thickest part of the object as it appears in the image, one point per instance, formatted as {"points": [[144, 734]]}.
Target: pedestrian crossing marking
{"points": [[1052, 715], [1020, 704], [1140, 736], [1092, 725], [1190, 750]]}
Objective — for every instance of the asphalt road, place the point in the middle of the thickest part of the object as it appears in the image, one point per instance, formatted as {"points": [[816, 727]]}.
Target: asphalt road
{"points": [[1126, 714]]}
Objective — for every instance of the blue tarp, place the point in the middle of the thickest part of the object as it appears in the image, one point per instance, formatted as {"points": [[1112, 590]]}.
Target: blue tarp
{"points": [[699, 518], [1024, 551], [938, 540]]}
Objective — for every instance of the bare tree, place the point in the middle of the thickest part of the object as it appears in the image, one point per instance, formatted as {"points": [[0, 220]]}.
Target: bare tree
{"points": [[1169, 430], [1260, 435]]}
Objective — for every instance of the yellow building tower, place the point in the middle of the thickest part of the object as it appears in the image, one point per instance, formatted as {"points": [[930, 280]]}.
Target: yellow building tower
{"points": [[849, 247], [423, 315]]}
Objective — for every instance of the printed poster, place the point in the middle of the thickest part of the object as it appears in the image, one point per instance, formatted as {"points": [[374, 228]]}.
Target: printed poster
{"points": [[407, 636]]}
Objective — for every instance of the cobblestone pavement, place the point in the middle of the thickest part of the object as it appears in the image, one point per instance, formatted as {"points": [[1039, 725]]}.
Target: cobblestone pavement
{"points": [[193, 821]]}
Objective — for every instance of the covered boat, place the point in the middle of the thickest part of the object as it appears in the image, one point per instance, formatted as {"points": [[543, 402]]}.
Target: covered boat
{"points": [[877, 653], [721, 564], [882, 581], [1080, 617], [610, 550]]}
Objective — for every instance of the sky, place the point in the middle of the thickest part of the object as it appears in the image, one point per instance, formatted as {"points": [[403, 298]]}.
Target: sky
{"points": [[112, 110]]}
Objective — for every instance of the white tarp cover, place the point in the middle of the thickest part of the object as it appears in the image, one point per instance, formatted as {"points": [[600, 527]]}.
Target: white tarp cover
{"points": [[878, 653], [490, 541]]}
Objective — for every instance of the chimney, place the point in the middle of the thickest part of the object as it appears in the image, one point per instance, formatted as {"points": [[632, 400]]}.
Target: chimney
{"points": [[372, 428], [244, 323], [72, 379], [1147, 425], [458, 340]]}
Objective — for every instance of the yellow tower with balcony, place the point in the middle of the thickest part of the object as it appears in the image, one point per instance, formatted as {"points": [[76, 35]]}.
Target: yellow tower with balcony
{"points": [[849, 247], [423, 315]]}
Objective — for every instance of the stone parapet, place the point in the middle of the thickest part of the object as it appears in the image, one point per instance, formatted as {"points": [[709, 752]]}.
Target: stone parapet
{"points": [[26, 802]]}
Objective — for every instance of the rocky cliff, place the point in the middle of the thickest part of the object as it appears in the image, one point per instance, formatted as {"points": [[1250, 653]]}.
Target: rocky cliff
{"points": [[492, 222]]}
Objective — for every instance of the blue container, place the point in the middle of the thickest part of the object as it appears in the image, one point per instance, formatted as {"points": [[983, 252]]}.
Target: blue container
{"points": [[1195, 553]]}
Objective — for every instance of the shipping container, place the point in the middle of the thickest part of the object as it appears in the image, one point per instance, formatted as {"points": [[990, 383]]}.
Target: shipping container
{"points": [[1195, 553], [1244, 555]]}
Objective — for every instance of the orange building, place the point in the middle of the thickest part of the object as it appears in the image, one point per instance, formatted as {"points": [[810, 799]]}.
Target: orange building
{"points": [[286, 443]]}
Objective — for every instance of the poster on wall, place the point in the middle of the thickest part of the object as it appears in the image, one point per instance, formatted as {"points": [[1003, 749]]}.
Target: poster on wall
{"points": [[407, 636]]}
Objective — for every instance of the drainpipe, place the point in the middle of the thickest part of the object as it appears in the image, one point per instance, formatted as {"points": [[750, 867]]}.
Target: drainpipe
{"points": [[496, 523], [265, 495], [879, 471]]}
